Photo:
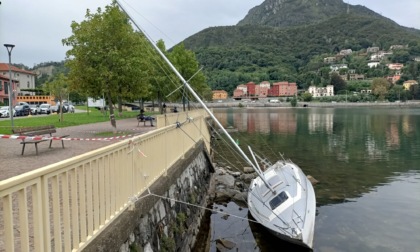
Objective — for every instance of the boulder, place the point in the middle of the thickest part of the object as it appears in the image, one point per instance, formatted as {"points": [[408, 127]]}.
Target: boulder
{"points": [[248, 169]]}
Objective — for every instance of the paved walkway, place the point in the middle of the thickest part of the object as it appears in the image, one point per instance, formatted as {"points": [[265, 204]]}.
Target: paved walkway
{"points": [[12, 163]]}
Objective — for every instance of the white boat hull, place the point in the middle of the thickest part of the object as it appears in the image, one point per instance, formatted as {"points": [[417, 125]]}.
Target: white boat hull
{"points": [[289, 213]]}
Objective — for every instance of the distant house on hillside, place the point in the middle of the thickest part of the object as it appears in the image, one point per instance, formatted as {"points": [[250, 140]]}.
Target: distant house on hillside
{"points": [[346, 52], [407, 84], [355, 76], [395, 66], [374, 49], [220, 95], [396, 47], [329, 60], [373, 64], [321, 91], [394, 78], [337, 67]]}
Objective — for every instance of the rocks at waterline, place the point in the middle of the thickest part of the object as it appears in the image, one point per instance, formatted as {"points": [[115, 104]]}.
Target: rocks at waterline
{"points": [[230, 185]]}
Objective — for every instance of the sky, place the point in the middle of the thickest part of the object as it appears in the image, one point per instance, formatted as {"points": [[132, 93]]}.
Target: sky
{"points": [[36, 28]]}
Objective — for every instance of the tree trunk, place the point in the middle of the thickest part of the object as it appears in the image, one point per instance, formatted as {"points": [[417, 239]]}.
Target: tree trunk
{"points": [[111, 113], [119, 106]]}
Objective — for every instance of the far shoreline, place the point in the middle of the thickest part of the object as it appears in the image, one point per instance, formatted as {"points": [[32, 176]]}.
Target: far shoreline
{"points": [[257, 104]]}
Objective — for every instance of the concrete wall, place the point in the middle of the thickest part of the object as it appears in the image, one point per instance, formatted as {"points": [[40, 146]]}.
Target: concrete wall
{"points": [[159, 224]]}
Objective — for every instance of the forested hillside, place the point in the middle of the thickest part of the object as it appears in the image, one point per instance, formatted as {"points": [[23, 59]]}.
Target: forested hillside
{"points": [[233, 55]]}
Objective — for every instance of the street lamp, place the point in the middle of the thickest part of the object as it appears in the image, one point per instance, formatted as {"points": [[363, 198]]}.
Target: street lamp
{"points": [[9, 48]]}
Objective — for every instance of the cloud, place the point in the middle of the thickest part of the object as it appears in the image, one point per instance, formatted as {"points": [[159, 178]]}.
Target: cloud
{"points": [[37, 27]]}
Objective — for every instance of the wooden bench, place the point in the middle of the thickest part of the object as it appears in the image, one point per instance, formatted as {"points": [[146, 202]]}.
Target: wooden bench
{"points": [[37, 131], [142, 118]]}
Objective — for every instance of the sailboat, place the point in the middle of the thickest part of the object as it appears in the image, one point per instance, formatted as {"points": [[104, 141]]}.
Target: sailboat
{"points": [[281, 198]]}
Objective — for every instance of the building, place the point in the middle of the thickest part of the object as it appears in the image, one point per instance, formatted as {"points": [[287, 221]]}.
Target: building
{"points": [[330, 60], [251, 92], [373, 64], [337, 67], [36, 99], [355, 76], [395, 66], [263, 89], [397, 47], [283, 89], [407, 84], [240, 91], [4, 90], [346, 52], [394, 78], [374, 49], [321, 91], [220, 95], [24, 79]]}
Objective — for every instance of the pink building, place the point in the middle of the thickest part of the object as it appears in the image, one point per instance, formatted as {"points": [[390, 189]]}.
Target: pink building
{"points": [[263, 89], [283, 89], [4, 90]]}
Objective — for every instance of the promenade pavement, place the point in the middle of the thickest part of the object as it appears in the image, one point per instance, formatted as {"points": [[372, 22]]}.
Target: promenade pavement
{"points": [[12, 163]]}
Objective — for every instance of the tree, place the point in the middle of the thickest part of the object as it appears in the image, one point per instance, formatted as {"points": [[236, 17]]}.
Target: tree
{"points": [[59, 89], [337, 82], [380, 87], [187, 65], [108, 58], [307, 97]]}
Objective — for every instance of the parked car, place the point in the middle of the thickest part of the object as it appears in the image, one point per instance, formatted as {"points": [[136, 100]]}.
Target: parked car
{"points": [[71, 108], [54, 109], [45, 108], [67, 107], [4, 111], [35, 109], [22, 110]]}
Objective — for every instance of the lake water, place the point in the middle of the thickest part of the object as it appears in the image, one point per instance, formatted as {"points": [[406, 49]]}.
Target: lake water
{"points": [[366, 159]]}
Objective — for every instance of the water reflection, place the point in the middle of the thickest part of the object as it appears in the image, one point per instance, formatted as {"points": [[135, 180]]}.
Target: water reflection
{"points": [[366, 159]]}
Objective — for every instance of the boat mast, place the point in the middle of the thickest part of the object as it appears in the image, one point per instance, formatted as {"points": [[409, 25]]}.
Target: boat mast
{"points": [[187, 85]]}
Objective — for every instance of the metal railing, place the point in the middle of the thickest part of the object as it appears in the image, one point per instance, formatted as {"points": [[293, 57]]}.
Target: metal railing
{"points": [[64, 206]]}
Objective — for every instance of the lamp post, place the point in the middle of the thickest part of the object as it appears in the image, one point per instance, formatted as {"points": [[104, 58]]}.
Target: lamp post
{"points": [[9, 48]]}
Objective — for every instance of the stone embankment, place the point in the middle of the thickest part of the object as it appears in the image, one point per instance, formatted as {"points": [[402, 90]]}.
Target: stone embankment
{"points": [[231, 185]]}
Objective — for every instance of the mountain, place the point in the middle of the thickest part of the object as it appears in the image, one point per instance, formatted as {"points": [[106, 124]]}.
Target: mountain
{"points": [[290, 13], [286, 40]]}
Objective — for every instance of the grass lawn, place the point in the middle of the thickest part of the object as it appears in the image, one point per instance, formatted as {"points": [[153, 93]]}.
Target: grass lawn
{"points": [[70, 119]]}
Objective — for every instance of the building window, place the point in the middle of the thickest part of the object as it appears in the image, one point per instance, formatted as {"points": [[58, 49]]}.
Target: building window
{"points": [[6, 87]]}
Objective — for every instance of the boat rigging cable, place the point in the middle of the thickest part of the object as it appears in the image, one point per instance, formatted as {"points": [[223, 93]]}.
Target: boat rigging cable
{"points": [[135, 199], [195, 95], [187, 86]]}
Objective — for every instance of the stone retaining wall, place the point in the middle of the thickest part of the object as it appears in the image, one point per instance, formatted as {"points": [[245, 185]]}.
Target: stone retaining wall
{"points": [[159, 224]]}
